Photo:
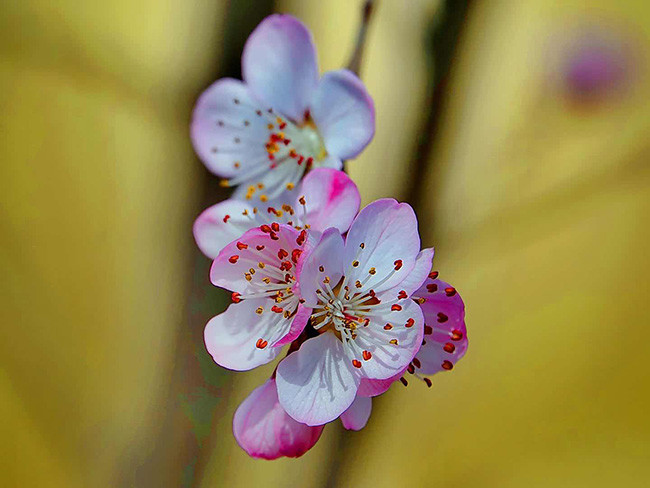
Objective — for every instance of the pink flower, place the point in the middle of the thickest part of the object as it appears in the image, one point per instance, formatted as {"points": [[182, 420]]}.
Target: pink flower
{"points": [[368, 327], [264, 430], [445, 335], [326, 198], [260, 269], [264, 133]]}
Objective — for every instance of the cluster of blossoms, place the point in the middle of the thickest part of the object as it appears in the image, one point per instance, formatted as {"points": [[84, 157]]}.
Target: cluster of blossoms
{"points": [[350, 292]]}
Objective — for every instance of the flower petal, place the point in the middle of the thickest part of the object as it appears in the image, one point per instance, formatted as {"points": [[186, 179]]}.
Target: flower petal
{"points": [[264, 430], [227, 133], [231, 336], [357, 415], [279, 65], [298, 323], [403, 326], [231, 268], [316, 384], [221, 224], [445, 340], [344, 113], [324, 261], [388, 231], [332, 199]]}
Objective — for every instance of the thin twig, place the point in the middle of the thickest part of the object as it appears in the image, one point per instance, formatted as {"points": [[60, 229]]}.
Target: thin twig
{"points": [[357, 55]]}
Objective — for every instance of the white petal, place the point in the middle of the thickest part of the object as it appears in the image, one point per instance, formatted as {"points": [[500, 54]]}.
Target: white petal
{"points": [[316, 384]]}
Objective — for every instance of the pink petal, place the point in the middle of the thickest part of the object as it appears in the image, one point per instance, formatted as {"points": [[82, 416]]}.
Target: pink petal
{"points": [[323, 261], [231, 336], [316, 384], [221, 224], [233, 263], [227, 133], [371, 388], [444, 313], [264, 430], [357, 415], [298, 323], [279, 65], [388, 359], [332, 199], [388, 231], [344, 113]]}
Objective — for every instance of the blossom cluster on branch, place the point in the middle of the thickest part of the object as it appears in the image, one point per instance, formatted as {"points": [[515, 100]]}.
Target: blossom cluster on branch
{"points": [[350, 292]]}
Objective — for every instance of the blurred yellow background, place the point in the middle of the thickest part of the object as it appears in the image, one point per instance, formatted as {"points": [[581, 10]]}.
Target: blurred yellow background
{"points": [[536, 199]]}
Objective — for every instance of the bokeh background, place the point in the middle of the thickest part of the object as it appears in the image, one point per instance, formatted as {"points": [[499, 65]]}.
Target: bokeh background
{"points": [[518, 128]]}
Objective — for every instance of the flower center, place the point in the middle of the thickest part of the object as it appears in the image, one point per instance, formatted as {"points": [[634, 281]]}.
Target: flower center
{"points": [[292, 149], [341, 311]]}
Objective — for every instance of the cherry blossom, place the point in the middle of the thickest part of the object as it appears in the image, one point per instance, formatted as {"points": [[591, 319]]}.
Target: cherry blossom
{"points": [[264, 133], [259, 269], [367, 326]]}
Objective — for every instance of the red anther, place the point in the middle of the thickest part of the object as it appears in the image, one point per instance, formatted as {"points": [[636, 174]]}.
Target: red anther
{"points": [[282, 125], [241, 246], [287, 277], [442, 318], [287, 142], [285, 266], [398, 264], [372, 293], [410, 369], [450, 292], [367, 355], [396, 308], [402, 294], [301, 158], [276, 309], [265, 228], [310, 161], [275, 226], [272, 210], [271, 157], [428, 382], [449, 347], [295, 255], [416, 363], [307, 115], [261, 343], [447, 365], [410, 323], [300, 240], [274, 236], [356, 363], [236, 297], [226, 218], [428, 330], [432, 287], [233, 259], [259, 248], [456, 335], [273, 166], [404, 382], [282, 254], [433, 275], [388, 327], [302, 200]]}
